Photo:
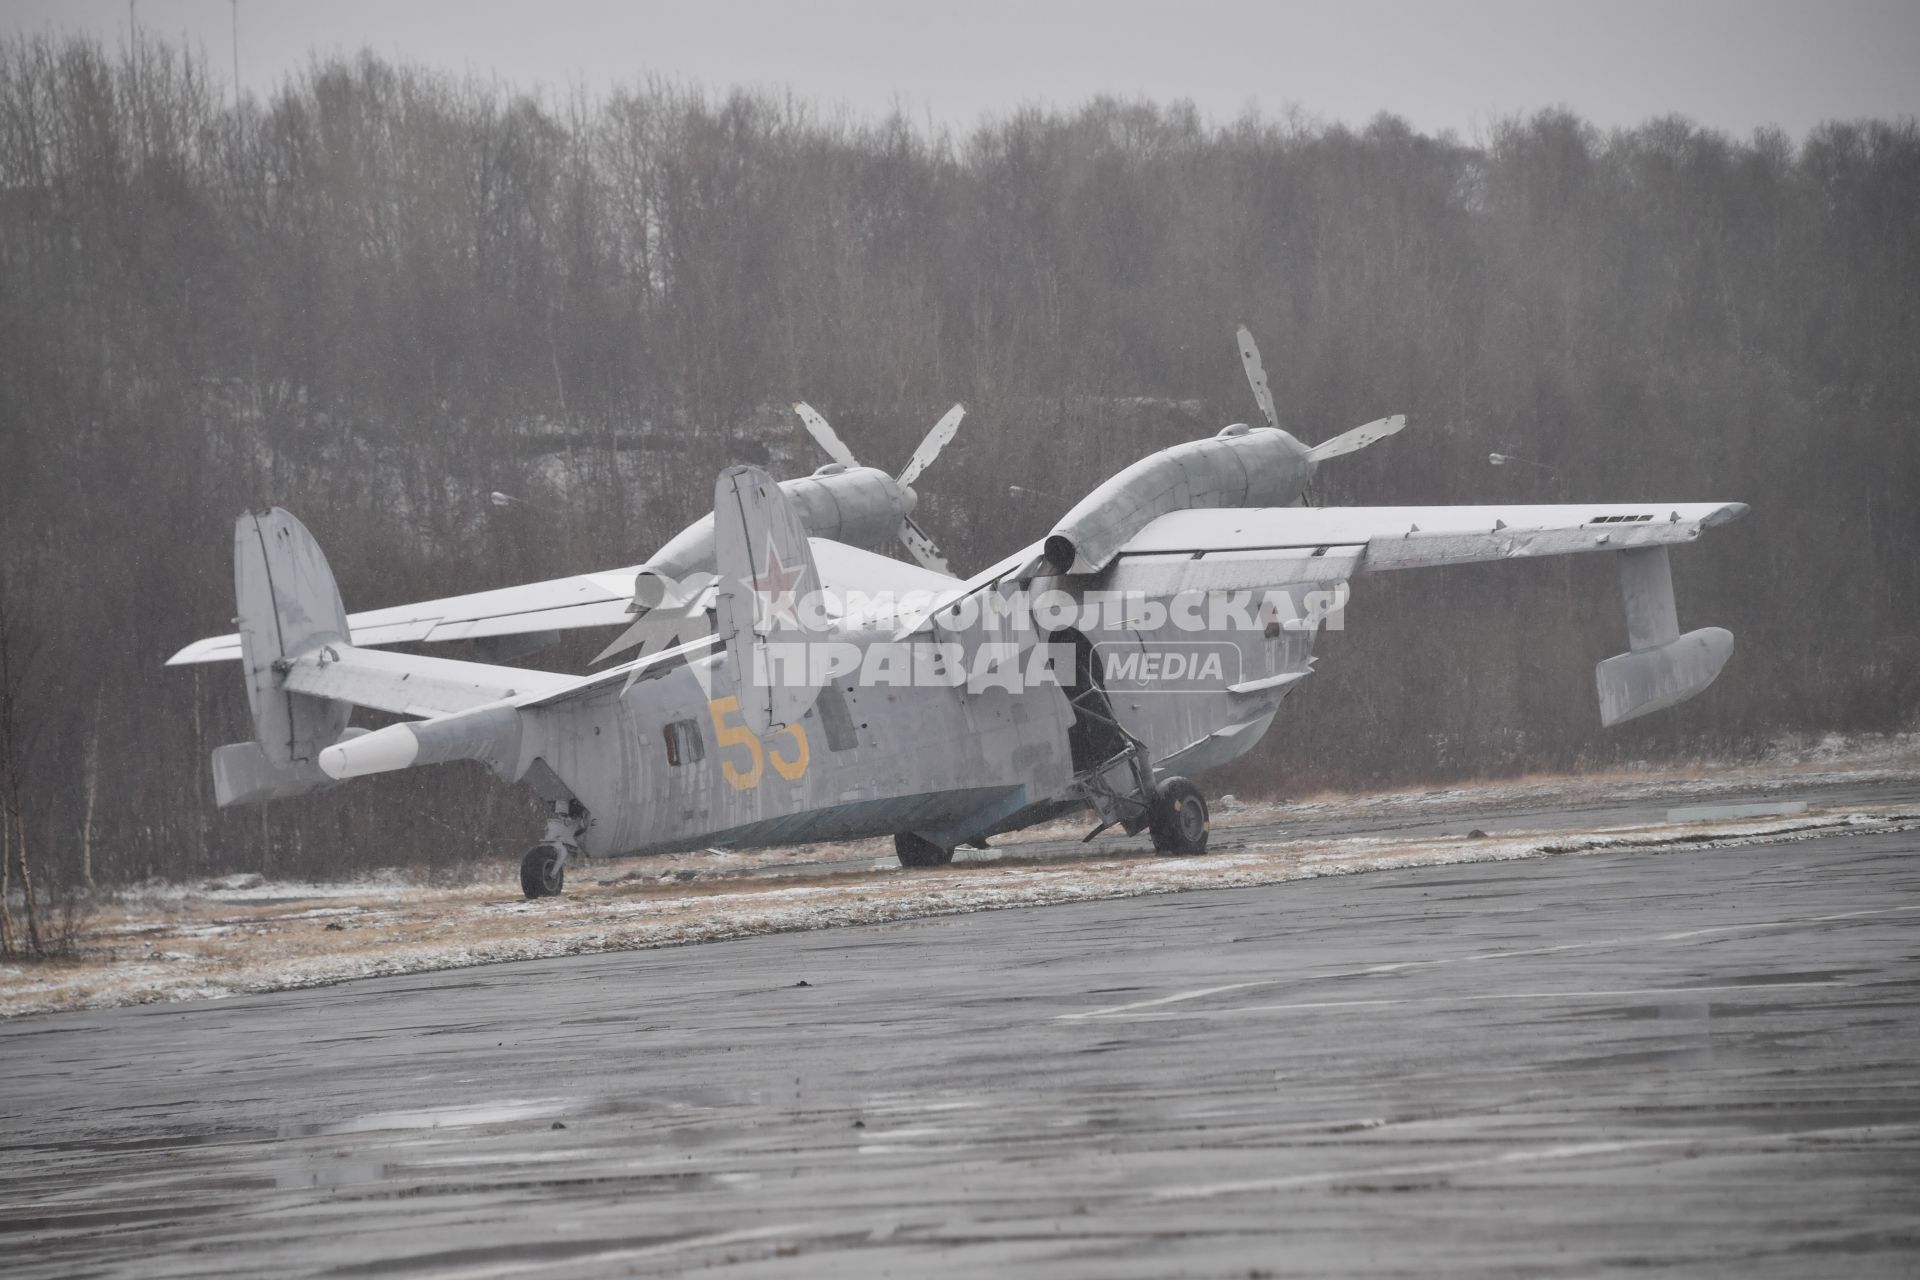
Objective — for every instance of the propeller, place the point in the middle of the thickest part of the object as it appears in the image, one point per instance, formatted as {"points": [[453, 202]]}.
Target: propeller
{"points": [[930, 447], [824, 436], [1358, 438], [1346, 442], [1257, 376], [921, 547]]}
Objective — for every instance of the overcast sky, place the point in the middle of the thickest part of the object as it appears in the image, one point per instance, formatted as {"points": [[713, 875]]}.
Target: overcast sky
{"points": [[1459, 64]]}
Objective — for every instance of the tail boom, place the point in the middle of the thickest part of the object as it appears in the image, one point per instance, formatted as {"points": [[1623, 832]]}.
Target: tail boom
{"points": [[304, 678]]}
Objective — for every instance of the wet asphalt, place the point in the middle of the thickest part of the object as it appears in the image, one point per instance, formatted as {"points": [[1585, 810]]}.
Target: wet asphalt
{"points": [[1449, 814], [1702, 1059]]}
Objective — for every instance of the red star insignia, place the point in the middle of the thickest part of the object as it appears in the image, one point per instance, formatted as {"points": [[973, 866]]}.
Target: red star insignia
{"points": [[778, 587]]}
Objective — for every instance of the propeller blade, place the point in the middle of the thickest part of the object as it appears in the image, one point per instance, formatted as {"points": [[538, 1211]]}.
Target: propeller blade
{"points": [[930, 447], [921, 547], [1257, 376], [823, 434], [1358, 438]]}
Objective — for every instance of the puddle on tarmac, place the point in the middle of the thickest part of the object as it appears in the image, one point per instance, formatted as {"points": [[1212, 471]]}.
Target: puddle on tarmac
{"points": [[322, 1170], [506, 1111]]}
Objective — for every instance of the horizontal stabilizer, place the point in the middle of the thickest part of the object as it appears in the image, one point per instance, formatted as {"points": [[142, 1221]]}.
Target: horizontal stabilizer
{"points": [[411, 684]]}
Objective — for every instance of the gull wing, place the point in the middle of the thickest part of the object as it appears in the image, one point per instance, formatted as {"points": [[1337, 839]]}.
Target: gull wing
{"points": [[1024, 563], [846, 569], [1425, 537], [1228, 549], [565, 604], [559, 604]]}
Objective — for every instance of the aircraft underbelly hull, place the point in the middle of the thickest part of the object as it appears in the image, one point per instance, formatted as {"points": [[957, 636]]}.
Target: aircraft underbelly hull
{"points": [[908, 759], [856, 820]]}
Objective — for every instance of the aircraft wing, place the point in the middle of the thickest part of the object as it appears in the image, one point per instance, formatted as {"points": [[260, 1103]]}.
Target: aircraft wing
{"points": [[1419, 537], [566, 604], [1023, 563], [1228, 549], [845, 568], [1197, 550], [560, 604], [1219, 549]]}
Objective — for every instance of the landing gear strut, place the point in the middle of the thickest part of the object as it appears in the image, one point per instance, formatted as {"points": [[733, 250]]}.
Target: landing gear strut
{"points": [[543, 872]]}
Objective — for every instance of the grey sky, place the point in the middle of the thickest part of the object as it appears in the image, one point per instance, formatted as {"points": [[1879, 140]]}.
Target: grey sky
{"points": [[1732, 64]]}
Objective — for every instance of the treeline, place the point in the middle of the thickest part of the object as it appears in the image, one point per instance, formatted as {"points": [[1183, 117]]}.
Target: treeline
{"points": [[382, 294]]}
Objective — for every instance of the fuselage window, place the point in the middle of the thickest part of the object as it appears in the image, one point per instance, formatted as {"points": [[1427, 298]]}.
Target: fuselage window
{"points": [[683, 743]]}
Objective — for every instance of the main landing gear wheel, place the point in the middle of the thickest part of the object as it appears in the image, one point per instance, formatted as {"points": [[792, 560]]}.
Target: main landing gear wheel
{"points": [[916, 852], [543, 873], [1178, 818]]}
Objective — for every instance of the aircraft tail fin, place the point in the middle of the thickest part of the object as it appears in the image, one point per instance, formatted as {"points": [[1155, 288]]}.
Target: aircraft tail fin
{"points": [[287, 605], [304, 676], [766, 576]]}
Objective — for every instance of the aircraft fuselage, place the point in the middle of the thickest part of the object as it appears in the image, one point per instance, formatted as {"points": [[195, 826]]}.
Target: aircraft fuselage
{"points": [[671, 765]]}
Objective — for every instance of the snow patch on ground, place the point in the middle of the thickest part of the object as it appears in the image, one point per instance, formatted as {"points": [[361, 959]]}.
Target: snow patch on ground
{"points": [[245, 933], [210, 943]]}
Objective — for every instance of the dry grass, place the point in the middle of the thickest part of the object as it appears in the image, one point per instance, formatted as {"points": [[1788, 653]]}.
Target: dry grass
{"points": [[172, 942]]}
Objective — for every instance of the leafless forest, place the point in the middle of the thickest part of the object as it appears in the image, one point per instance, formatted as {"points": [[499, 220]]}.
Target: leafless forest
{"points": [[381, 295]]}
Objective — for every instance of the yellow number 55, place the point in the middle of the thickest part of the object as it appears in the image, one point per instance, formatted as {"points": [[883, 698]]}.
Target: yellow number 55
{"points": [[738, 735]]}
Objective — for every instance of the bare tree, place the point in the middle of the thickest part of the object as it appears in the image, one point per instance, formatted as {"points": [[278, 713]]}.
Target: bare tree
{"points": [[16, 656], [382, 293]]}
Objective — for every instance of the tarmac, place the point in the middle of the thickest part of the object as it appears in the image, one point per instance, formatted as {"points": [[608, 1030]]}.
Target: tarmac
{"points": [[1693, 1059]]}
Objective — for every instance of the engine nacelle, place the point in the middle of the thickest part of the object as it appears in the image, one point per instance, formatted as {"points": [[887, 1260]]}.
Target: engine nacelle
{"points": [[860, 506], [1241, 467]]}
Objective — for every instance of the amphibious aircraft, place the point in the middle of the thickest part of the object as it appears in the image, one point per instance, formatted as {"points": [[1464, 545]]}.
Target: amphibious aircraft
{"points": [[834, 693]]}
